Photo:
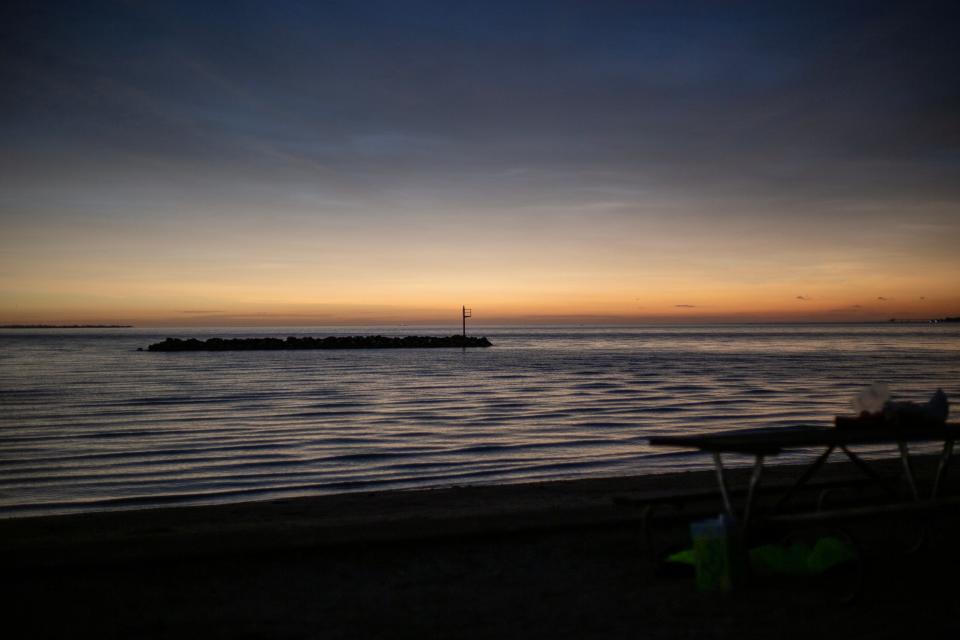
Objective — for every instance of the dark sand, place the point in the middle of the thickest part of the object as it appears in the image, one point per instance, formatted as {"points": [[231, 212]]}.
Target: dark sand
{"points": [[548, 560]]}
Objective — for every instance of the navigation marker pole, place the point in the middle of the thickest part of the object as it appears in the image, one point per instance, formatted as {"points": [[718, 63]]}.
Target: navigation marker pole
{"points": [[467, 313]]}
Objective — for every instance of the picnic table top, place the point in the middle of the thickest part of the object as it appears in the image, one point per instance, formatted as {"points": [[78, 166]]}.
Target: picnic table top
{"points": [[773, 440]]}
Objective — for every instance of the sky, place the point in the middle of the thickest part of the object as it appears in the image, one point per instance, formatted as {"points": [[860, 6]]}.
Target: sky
{"points": [[264, 163]]}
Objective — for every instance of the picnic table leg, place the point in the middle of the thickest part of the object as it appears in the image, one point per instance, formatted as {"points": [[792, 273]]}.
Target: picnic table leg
{"points": [[721, 479], [752, 490], [945, 457], [868, 470], [908, 469], [912, 482], [802, 480]]}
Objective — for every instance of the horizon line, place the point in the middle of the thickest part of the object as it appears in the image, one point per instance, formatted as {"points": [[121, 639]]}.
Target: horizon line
{"points": [[24, 325]]}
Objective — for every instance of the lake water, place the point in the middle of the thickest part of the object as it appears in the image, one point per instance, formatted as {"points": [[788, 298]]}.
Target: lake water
{"points": [[88, 422]]}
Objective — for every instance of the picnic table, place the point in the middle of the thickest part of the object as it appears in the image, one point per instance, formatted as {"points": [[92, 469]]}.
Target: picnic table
{"points": [[765, 443]]}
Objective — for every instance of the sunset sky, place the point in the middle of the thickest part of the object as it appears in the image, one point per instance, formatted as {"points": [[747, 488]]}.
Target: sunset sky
{"points": [[385, 162]]}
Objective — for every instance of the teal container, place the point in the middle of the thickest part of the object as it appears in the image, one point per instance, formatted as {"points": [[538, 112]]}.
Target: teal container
{"points": [[716, 553]]}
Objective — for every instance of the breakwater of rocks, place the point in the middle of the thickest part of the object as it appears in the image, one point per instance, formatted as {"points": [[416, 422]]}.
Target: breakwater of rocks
{"points": [[331, 342]]}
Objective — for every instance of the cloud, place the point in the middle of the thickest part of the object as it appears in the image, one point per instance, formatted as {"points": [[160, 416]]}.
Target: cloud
{"points": [[686, 306], [804, 298], [882, 299], [200, 311]]}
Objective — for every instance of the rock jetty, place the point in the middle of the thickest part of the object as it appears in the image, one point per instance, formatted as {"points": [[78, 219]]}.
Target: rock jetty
{"points": [[331, 342]]}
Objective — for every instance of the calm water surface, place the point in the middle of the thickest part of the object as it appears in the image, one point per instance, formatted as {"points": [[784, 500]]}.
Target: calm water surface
{"points": [[88, 422]]}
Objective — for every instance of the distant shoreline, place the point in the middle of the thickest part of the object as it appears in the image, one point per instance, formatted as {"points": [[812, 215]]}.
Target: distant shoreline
{"points": [[495, 325], [66, 326]]}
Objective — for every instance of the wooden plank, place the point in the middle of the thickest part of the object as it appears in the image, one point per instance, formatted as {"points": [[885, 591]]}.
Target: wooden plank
{"points": [[915, 509], [681, 496], [773, 441]]}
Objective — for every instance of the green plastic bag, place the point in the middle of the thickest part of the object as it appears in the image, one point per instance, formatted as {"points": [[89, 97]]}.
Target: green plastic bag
{"points": [[798, 559]]}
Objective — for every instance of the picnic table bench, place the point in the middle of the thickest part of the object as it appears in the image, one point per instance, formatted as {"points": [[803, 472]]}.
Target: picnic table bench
{"points": [[765, 443]]}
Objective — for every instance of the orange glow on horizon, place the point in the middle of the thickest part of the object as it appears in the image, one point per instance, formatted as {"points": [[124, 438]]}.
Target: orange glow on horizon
{"points": [[584, 308], [578, 268]]}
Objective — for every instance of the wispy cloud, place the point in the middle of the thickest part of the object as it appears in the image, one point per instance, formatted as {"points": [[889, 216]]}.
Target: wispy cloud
{"points": [[686, 306], [804, 298]]}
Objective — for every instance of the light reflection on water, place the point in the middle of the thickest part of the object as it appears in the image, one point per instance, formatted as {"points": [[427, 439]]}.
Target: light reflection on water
{"points": [[89, 422]]}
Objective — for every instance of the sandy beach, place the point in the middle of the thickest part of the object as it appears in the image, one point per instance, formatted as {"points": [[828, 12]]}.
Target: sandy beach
{"points": [[549, 560]]}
